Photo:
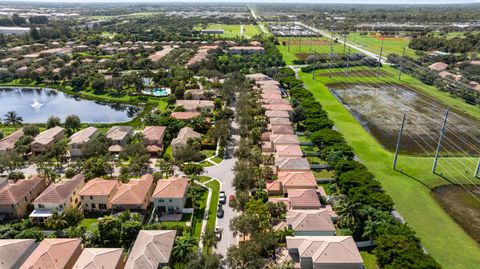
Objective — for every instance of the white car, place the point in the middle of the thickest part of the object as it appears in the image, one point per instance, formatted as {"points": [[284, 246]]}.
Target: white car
{"points": [[222, 198]]}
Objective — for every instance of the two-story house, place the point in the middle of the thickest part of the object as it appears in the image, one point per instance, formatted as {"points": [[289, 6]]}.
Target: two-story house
{"points": [[45, 140], [170, 195], [134, 195], [119, 137], [97, 194], [153, 139], [78, 139], [57, 197], [16, 196]]}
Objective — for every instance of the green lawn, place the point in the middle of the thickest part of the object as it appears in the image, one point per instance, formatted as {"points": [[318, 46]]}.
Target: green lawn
{"points": [[442, 237], [217, 159], [373, 44], [89, 223], [206, 164], [251, 30], [204, 178], [230, 30], [369, 259], [320, 45], [198, 215], [212, 211], [324, 174]]}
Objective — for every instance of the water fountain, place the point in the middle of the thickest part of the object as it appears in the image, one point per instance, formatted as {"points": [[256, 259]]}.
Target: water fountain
{"points": [[36, 104]]}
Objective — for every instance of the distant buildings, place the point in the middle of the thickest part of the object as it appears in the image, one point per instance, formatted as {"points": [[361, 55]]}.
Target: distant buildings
{"points": [[14, 30]]}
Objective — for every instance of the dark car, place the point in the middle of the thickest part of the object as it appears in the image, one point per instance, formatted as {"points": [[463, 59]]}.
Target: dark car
{"points": [[220, 211]]}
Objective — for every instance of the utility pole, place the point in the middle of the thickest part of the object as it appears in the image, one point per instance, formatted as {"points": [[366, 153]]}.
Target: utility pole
{"points": [[314, 64], [380, 58], [440, 138], [398, 142], [311, 37], [401, 64], [289, 41], [477, 170], [331, 57], [348, 62], [344, 42], [300, 43]]}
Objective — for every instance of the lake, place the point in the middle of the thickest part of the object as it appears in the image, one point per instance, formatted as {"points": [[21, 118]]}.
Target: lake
{"points": [[35, 105]]}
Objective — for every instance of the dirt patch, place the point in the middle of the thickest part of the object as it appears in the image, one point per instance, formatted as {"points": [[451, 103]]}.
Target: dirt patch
{"points": [[462, 206], [380, 108], [390, 38], [358, 73]]}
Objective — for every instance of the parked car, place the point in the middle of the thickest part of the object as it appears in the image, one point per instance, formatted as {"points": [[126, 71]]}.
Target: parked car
{"points": [[220, 211], [218, 232], [222, 198]]}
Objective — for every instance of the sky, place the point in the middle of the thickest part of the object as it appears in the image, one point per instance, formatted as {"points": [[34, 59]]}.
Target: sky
{"points": [[269, 1]]}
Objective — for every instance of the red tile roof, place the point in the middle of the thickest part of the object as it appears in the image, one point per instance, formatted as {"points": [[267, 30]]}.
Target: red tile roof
{"points": [[99, 186], [303, 199], [11, 193], [154, 132], [174, 187], [54, 254], [184, 115], [58, 193], [133, 192]]}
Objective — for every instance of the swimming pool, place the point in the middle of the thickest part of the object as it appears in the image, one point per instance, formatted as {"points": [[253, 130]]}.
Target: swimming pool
{"points": [[158, 92]]}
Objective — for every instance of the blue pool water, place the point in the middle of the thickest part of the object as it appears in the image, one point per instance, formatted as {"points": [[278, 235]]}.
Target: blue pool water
{"points": [[159, 92]]}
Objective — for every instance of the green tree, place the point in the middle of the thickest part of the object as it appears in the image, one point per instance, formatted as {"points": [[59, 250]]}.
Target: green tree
{"points": [[11, 117], [31, 233], [72, 215], [244, 224], [53, 121], [96, 167], [72, 123], [56, 221], [183, 247], [130, 230], [204, 261], [349, 213], [31, 130], [209, 240], [192, 169], [245, 255], [109, 230]]}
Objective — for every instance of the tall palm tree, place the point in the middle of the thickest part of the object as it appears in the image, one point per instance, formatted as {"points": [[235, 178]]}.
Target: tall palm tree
{"points": [[349, 213], [183, 246], [56, 221], [11, 117], [209, 240]]}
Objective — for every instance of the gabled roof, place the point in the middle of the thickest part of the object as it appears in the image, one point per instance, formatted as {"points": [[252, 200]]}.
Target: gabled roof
{"points": [[258, 77], [280, 121], [280, 107], [438, 66], [286, 163], [326, 249], [83, 136], [99, 258], [119, 132], [303, 199], [59, 193], [274, 101], [134, 192], [174, 187], [276, 114], [184, 115], [11, 193], [53, 253], [47, 136], [184, 134], [279, 139], [288, 151], [99, 186], [151, 248], [282, 129], [154, 132], [298, 179], [14, 251], [310, 220], [8, 142]]}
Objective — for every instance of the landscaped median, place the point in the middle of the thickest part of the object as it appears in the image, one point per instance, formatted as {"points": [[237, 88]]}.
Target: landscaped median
{"points": [[443, 238]]}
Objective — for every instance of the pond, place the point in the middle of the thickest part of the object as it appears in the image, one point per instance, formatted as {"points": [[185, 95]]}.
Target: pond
{"points": [[35, 105], [380, 108]]}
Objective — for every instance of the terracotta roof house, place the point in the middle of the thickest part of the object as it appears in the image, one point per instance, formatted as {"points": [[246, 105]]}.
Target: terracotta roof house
{"points": [[57, 197], [119, 137], [14, 252], [276, 114], [274, 101], [47, 139], [263, 83], [182, 138], [54, 253], [438, 66], [134, 195], [170, 195], [16, 196], [195, 94], [201, 55], [296, 180], [246, 49], [153, 138], [184, 115], [271, 95], [79, 138], [310, 222], [194, 105], [152, 249], [157, 56], [445, 74], [100, 258], [258, 77], [288, 151], [281, 129], [8, 143], [292, 164], [280, 121], [281, 107], [303, 199], [284, 139], [339, 252], [97, 194]]}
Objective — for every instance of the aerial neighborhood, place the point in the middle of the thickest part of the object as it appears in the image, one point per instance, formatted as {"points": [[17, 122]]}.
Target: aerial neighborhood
{"points": [[241, 136]]}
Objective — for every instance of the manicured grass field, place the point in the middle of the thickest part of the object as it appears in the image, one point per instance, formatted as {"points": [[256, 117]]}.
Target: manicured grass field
{"points": [[374, 43], [301, 47], [198, 215], [251, 30], [89, 223], [212, 211], [369, 259], [443, 238], [230, 30]]}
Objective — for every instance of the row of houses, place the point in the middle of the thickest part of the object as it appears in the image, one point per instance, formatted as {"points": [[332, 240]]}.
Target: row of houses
{"points": [[152, 249], [314, 243], [202, 53], [441, 69], [96, 195], [118, 136]]}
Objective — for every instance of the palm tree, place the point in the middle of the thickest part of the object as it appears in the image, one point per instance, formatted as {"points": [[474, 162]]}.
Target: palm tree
{"points": [[183, 246], [56, 221], [12, 118], [209, 240], [349, 213]]}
